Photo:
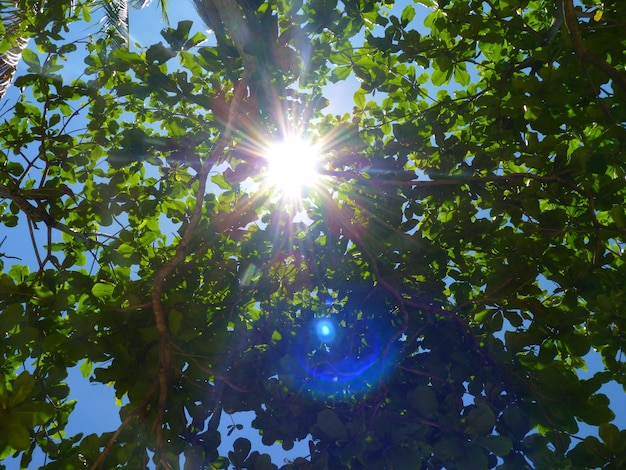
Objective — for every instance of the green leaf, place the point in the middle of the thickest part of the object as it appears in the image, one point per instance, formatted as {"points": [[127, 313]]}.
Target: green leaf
{"points": [[31, 58], [102, 291], [461, 75], [175, 321], [441, 77], [4, 395], [159, 53], [18, 436], [19, 273], [22, 387], [480, 419], [618, 216], [611, 436], [588, 453], [359, 98], [499, 445], [405, 458], [597, 411], [220, 181], [340, 73], [424, 400], [177, 38], [241, 449], [263, 462], [408, 14], [32, 413], [329, 423], [474, 458], [86, 368], [194, 40]]}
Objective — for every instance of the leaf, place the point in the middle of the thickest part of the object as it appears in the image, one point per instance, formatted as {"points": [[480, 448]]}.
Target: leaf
{"points": [[612, 437], [424, 400], [461, 76], [405, 458], [175, 320], [441, 77], [4, 395], [177, 38], [159, 53], [86, 368], [499, 445], [618, 216], [480, 419], [588, 453], [516, 422], [32, 413], [18, 435], [194, 40], [263, 462], [474, 458], [340, 73], [241, 449], [407, 14], [359, 98], [330, 424], [22, 386], [597, 411], [220, 181], [597, 16], [32, 59], [19, 272], [102, 291]]}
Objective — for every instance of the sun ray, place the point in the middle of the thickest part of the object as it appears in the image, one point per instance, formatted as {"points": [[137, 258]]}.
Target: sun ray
{"points": [[292, 166]]}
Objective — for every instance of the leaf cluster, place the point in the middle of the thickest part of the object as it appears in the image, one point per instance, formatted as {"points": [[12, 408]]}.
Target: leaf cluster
{"points": [[464, 249]]}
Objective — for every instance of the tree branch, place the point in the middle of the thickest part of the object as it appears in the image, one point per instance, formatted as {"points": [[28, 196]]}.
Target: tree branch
{"points": [[100, 460], [571, 22], [165, 348], [38, 213]]}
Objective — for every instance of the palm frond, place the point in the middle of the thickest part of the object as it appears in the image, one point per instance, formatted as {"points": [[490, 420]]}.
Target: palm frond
{"points": [[115, 22], [13, 21]]}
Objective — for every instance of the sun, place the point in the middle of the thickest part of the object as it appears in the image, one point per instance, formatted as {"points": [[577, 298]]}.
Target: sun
{"points": [[292, 165]]}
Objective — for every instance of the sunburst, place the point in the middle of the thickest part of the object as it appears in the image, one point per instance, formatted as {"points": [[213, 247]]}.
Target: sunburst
{"points": [[292, 165]]}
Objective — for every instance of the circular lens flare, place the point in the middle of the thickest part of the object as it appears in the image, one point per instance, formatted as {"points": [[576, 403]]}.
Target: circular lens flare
{"points": [[333, 363], [325, 331], [292, 165]]}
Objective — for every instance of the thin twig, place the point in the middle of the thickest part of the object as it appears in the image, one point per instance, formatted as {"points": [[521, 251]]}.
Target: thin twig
{"points": [[100, 460]]}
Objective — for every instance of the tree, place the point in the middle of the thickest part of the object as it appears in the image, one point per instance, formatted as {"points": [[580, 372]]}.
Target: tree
{"points": [[429, 303], [22, 19]]}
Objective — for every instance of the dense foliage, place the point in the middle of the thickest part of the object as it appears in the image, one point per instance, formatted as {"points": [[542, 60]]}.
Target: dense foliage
{"points": [[429, 303]]}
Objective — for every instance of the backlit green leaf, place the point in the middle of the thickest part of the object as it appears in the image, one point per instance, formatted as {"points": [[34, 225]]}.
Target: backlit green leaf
{"points": [[102, 291]]}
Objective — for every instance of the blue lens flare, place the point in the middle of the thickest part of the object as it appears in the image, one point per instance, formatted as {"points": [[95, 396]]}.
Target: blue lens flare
{"points": [[333, 362], [325, 330]]}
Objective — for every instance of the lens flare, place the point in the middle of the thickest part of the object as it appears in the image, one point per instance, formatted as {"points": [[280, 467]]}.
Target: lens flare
{"points": [[325, 331], [333, 362]]}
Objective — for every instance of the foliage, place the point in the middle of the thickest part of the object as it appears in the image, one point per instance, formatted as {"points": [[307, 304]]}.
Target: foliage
{"points": [[463, 249]]}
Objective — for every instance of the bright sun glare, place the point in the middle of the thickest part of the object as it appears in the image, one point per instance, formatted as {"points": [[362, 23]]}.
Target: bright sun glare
{"points": [[292, 165]]}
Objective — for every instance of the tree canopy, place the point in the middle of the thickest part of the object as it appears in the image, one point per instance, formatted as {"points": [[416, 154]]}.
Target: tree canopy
{"points": [[430, 301]]}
